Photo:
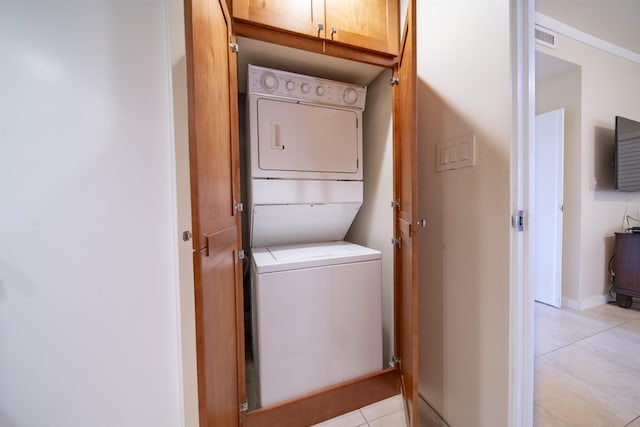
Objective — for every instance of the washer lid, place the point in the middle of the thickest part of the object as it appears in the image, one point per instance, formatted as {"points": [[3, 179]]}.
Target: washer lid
{"points": [[300, 223], [294, 257]]}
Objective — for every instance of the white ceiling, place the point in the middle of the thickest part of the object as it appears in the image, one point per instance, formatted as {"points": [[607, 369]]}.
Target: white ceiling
{"points": [[616, 21]]}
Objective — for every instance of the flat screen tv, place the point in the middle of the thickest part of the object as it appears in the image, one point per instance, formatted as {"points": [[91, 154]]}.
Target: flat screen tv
{"points": [[627, 154]]}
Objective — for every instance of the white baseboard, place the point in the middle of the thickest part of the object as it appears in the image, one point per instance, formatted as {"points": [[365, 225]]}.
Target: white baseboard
{"points": [[586, 303], [428, 417]]}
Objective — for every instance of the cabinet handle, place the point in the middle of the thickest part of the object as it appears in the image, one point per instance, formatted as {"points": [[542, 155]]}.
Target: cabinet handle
{"points": [[334, 30], [320, 28]]}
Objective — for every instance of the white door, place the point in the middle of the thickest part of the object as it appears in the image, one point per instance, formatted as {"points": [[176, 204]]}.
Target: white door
{"points": [[547, 218]]}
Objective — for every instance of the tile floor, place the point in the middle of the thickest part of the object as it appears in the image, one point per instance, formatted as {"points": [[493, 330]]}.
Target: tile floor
{"points": [[587, 367], [587, 372], [386, 413]]}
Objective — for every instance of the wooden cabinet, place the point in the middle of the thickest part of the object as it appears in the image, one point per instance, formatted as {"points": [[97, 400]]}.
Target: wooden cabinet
{"points": [[298, 16], [214, 164], [365, 24], [371, 24], [627, 268]]}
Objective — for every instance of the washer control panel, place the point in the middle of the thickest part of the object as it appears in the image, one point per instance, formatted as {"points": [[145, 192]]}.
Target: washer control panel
{"points": [[283, 84]]}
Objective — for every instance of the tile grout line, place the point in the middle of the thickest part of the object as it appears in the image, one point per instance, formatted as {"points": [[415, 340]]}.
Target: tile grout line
{"points": [[582, 339], [632, 421], [619, 323], [604, 356], [614, 360], [583, 382], [366, 421]]}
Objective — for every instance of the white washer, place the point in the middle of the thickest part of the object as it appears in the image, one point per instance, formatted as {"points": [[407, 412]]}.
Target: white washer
{"points": [[317, 314]]}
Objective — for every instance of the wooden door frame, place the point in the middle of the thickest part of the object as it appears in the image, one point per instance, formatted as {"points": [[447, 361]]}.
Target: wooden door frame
{"points": [[319, 405], [521, 301]]}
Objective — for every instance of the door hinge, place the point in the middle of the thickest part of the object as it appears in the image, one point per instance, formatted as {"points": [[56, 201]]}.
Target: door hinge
{"points": [[396, 362], [234, 47], [238, 207], [393, 81], [517, 221], [239, 255], [395, 241], [395, 204], [244, 408]]}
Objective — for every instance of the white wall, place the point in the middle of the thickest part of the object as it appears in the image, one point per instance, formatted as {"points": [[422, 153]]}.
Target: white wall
{"points": [[564, 91], [373, 226], [464, 86], [403, 15], [609, 87], [183, 206], [89, 327]]}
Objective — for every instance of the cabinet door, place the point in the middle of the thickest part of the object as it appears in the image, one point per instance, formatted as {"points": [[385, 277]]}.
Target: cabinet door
{"points": [[214, 164], [369, 24], [298, 16], [405, 218]]}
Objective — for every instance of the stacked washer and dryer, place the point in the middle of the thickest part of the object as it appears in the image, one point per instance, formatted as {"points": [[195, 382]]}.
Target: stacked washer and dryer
{"points": [[316, 299]]}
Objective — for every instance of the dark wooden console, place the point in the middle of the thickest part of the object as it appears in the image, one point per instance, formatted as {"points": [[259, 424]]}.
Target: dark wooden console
{"points": [[626, 266]]}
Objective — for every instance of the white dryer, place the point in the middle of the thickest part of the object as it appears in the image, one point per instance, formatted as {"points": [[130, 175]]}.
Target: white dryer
{"points": [[305, 157], [316, 299]]}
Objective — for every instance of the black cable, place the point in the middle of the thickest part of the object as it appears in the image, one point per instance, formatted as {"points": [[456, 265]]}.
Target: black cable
{"points": [[632, 218], [612, 276]]}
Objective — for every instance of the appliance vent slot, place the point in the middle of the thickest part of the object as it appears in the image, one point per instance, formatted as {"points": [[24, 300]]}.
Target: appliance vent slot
{"points": [[545, 37]]}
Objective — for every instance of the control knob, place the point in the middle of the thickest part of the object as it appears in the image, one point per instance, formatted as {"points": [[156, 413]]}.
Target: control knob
{"points": [[304, 88], [290, 85], [269, 81], [350, 96], [320, 90]]}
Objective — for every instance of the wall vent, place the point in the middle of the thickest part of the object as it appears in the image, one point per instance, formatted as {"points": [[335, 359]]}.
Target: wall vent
{"points": [[545, 37]]}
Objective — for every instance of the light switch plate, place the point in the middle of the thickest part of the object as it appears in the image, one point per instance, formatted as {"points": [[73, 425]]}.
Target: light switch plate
{"points": [[456, 153]]}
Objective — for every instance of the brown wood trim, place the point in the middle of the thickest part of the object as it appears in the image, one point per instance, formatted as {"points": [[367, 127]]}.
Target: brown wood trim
{"points": [[235, 164], [222, 239], [328, 403], [360, 55], [393, 25], [405, 188], [311, 44], [277, 36]]}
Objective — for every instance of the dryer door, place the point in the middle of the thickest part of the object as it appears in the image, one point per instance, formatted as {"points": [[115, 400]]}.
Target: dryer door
{"points": [[306, 141]]}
